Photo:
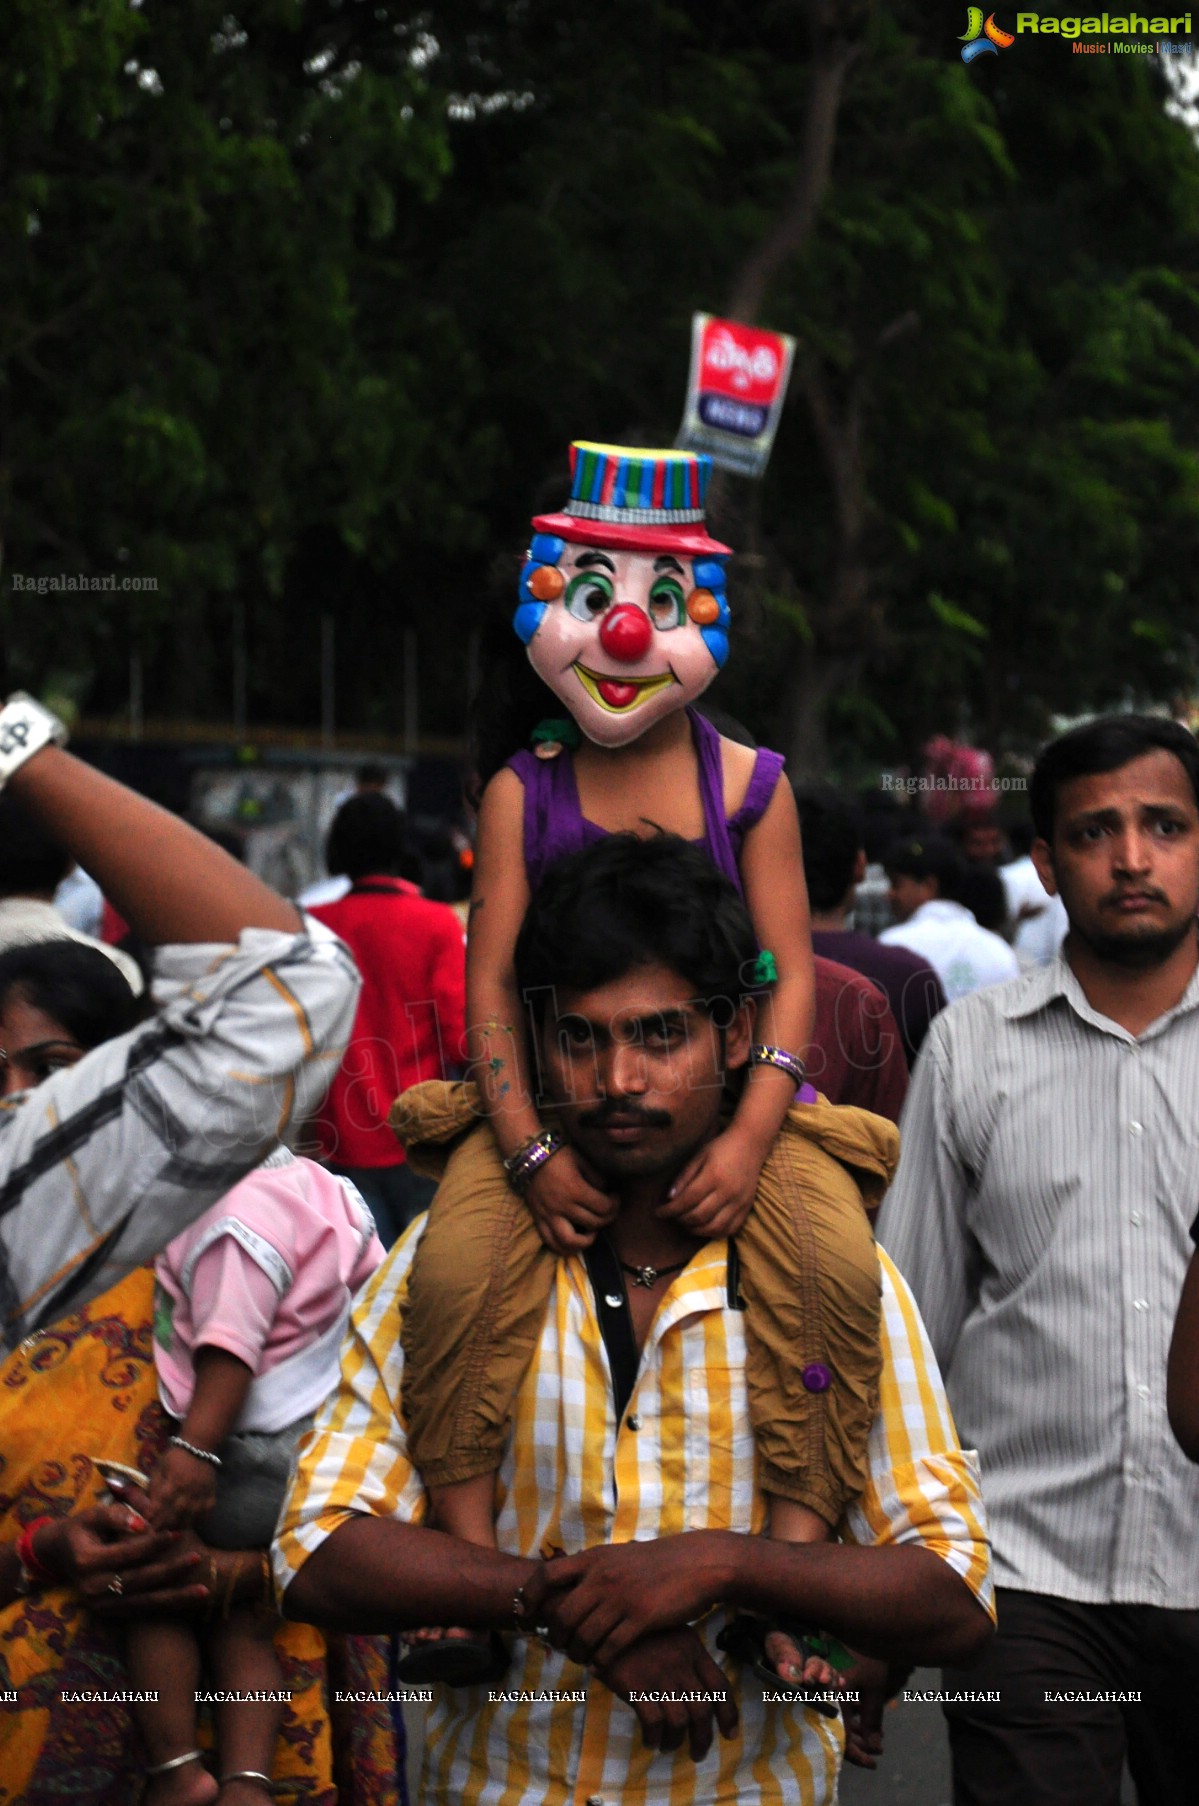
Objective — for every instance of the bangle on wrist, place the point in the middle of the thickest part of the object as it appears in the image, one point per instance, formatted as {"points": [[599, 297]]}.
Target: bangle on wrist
{"points": [[527, 1160], [763, 1055], [189, 1448], [31, 1572], [520, 1618], [25, 727]]}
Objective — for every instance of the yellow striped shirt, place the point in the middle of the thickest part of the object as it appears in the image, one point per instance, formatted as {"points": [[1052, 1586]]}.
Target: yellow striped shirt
{"points": [[573, 1477]]}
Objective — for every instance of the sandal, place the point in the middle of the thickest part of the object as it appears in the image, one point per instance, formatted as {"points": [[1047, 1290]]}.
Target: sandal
{"points": [[744, 1638], [474, 1661]]}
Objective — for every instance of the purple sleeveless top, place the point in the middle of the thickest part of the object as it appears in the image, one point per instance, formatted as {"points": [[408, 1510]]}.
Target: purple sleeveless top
{"points": [[555, 824]]}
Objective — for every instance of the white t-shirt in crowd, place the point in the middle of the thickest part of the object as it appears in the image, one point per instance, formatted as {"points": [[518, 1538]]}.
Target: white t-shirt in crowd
{"points": [[964, 956], [1038, 938]]}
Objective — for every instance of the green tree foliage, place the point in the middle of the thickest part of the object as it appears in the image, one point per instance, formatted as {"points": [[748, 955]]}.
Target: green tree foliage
{"points": [[306, 329], [207, 341]]}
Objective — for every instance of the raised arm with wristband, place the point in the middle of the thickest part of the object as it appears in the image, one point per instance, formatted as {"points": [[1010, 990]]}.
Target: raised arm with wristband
{"points": [[111, 1158]]}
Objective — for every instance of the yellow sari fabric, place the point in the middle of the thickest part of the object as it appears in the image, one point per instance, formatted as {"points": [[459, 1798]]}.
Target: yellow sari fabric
{"points": [[86, 1388]]}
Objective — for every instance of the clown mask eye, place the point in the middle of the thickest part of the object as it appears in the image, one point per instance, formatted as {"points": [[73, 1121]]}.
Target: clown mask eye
{"points": [[666, 604], [588, 594]]}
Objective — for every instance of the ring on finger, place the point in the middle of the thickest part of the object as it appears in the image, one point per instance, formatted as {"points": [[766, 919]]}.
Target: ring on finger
{"points": [[116, 1585]]}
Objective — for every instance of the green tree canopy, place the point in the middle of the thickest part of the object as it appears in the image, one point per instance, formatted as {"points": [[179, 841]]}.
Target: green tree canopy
{"points": [[304, 304]]}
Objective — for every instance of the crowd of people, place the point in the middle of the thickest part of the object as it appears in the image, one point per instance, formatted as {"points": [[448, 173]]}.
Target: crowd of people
{"points": [[549, 1321]]}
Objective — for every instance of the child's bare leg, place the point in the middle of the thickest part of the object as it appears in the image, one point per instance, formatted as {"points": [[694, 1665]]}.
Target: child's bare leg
{"points": [[791, 1522], [242, 1653], [465, 1509], [163, 1657]]}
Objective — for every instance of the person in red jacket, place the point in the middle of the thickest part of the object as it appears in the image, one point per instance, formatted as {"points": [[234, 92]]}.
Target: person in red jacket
{"points": [[411, 1013]]}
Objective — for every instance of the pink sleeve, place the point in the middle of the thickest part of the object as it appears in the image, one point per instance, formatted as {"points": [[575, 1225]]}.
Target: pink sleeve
{"points": [[367, 1262], [233, 1303]]}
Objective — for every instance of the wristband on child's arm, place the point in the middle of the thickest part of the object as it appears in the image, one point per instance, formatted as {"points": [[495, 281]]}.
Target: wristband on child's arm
{"points": [[791, 1064], [530, 1158], [25, 727]]}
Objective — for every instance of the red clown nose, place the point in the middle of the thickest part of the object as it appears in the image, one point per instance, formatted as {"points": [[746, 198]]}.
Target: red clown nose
{"points": [[626, 633]]}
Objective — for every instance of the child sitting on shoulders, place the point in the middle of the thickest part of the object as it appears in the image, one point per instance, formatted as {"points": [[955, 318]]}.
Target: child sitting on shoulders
{"points": [[624, 617]]}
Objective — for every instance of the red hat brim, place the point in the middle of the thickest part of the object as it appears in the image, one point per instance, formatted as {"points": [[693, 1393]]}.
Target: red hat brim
{"points": [[689, 539]]}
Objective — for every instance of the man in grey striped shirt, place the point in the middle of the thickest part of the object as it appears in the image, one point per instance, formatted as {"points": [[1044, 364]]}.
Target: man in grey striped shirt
{"points": [[1049, 1176], [110, 1158]]}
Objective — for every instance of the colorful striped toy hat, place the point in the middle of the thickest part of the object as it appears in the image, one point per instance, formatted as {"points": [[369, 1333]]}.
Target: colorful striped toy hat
{"points": [[634, 500]]}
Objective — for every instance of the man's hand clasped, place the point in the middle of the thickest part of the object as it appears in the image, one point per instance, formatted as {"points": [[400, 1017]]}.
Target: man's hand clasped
{"points": [[656, 1674], [624, 1611], [596, 1605]]}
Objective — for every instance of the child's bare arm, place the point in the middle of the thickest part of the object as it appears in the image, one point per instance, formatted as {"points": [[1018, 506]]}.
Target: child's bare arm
{"points": [[713, 1194], [496, 1032], [568, 1209], [183, 1485]]}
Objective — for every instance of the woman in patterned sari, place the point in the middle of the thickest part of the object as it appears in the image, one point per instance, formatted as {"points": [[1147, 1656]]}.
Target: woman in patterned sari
{"points": [[85, 1390]]}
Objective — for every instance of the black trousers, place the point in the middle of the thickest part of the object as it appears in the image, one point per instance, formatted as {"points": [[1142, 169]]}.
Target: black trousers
{"points": [[1027, 1750]]}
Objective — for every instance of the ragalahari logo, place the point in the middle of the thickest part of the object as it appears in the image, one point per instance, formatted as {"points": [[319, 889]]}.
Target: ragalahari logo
{"points": [[983, 39]]}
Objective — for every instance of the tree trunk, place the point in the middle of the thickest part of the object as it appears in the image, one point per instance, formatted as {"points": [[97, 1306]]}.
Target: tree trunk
{"points": [[815, 681], [837, 39], [834, 49]]}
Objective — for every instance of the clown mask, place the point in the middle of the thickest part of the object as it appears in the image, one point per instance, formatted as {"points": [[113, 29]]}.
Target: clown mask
{"points": [[622, 637]]}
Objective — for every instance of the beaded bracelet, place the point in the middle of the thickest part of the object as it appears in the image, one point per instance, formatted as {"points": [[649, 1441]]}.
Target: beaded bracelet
{"points": [[189, 1448], [521, 1166], [791, 1064]]}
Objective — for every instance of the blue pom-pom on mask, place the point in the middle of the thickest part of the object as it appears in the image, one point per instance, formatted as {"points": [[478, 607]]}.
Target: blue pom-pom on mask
{"points": [[529, 616], [711, 574]]}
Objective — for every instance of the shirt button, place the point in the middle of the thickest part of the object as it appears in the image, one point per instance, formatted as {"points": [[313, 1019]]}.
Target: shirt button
{"points": [[595, 1799], [1142, 1392], [1140, 1304], [1136, 1216], [1136, 1128], [634, 1423]]}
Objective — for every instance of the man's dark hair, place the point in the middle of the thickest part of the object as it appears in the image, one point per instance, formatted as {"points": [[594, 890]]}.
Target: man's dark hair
{"points": [[980, 890], [832, 840], [368, 835], [29, 860], [76, 986], [1102, 745], [626, 903], [928, 856], [1020, 834]]}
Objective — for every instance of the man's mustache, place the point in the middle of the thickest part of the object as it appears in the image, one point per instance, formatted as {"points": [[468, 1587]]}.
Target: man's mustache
{"points": [[1114, 898], [627, 1115]]}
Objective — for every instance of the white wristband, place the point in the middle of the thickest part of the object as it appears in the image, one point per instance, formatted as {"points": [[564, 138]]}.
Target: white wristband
{"points": [[25, 727]]}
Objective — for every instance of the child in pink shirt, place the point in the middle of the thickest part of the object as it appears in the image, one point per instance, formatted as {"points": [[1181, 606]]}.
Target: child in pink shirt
{"points": [[251, 1305]]}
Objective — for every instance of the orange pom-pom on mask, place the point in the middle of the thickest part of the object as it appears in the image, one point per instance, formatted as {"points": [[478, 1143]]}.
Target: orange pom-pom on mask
{"points": [[703, 608], [546, 583]]}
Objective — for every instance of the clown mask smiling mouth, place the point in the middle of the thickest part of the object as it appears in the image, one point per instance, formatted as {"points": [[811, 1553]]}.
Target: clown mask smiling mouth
{"points": [[619, 694]]}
